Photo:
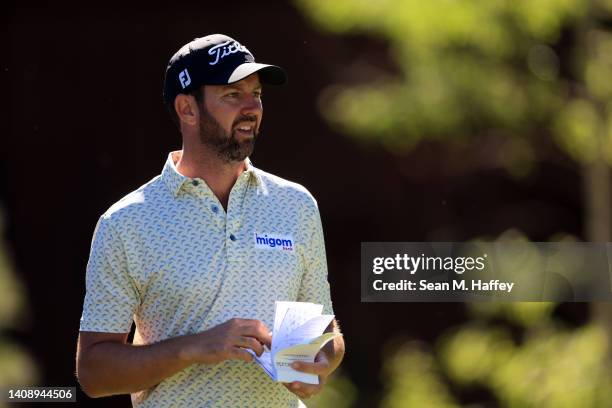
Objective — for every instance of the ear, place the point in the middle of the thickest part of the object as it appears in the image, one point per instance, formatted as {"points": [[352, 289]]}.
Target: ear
{"points": [[187, 109]]}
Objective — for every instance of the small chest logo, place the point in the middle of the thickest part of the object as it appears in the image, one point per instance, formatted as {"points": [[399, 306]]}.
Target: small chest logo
{"points": [[274, 241]]}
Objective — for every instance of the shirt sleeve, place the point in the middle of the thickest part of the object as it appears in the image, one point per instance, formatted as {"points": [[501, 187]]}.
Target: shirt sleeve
{"points": [[315, 287], [111, 297]]}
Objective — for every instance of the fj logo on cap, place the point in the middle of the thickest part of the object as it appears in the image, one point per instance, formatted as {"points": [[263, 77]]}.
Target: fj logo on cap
{"points": [[184, 78], [227, 48]]}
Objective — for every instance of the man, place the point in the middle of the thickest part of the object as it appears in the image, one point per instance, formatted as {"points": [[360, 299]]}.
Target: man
{"points": [[183, 256]]}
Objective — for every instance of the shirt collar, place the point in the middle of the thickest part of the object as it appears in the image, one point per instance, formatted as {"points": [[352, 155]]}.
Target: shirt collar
{"points": [[252, 171], [175, 180]]}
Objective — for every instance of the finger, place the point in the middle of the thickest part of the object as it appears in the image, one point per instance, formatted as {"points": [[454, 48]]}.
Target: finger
{"points": [[251, 343], [302, 395], [309, 389], [295, 388], [255, 328], [304, 390], [236, 353], [319, 368]]}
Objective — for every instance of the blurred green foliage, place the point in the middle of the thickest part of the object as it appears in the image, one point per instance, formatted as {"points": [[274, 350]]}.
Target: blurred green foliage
{"points": [[464, 70], [16, 366], [339, 392], [552, 367], [472, 68], [413, 380], [519, 352]]}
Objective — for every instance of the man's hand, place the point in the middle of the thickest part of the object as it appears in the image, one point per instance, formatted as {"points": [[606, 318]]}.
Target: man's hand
{"points": [[321, 367], [227, 341], [326, 361], [107, 365]]}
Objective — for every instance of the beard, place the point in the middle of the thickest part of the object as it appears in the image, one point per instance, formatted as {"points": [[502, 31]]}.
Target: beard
{"points": [[226, 146]]}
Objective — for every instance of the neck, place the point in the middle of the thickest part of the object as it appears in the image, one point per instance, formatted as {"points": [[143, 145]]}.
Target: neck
{"points": [[220, 176]]}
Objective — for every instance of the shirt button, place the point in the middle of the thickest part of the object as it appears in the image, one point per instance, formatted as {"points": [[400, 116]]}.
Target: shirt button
{"points": [[232, 237], [214, 209], [195, 182]]}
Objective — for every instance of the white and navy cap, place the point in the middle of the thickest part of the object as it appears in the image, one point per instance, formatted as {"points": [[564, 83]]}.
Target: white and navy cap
{"points": [[214, 60]]}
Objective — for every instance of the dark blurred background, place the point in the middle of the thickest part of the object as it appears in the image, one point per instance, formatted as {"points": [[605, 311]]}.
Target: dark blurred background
{"points": [[408, 121]]}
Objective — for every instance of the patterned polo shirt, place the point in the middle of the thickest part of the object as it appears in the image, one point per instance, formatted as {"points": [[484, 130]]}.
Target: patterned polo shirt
{"points": [[170, 258]]}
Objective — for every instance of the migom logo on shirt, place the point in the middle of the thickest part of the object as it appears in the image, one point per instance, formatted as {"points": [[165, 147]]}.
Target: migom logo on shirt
{"points": [[274, 241]]}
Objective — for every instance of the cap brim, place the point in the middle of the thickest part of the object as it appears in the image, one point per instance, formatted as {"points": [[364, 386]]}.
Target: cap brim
{"points": [[268, 74]]}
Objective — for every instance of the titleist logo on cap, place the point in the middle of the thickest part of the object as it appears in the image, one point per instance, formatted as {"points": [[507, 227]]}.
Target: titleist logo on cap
{"points": [[227, 48]]}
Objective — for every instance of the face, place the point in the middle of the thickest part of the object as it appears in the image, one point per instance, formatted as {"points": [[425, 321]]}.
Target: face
{"points": [[229, 122]]}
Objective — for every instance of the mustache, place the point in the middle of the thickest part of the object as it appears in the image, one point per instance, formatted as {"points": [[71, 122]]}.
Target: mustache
{"points": [[245, 118]]}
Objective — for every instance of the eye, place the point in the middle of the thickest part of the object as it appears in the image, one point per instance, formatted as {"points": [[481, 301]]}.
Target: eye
{"points": [[257, 94], [233, 94]]}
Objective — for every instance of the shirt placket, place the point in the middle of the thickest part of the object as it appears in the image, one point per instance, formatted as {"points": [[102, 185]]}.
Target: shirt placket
{"points": [[210, 204], [234, 235]]}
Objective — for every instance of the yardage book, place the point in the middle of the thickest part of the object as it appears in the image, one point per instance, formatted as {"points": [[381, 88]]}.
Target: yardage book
{"points": [[297, 336]]}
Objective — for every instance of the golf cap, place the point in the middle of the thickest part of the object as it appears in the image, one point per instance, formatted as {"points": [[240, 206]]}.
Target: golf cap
{"points": [[214, 60]]}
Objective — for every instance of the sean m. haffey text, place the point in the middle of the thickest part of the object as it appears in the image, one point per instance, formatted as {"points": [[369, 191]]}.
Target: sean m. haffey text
{"points": [[412, 264], [458, 265]]}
